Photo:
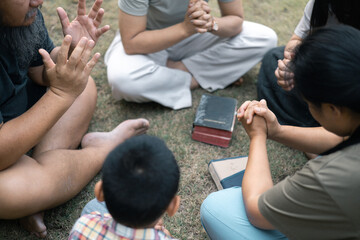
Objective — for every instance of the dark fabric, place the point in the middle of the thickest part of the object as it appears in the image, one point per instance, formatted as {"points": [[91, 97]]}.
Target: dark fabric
{"points": [[17, 92], [288, 107], [354, 139]]}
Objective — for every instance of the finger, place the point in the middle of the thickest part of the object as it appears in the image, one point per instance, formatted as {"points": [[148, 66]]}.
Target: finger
{"points": [[197, 14], [90, 65], [75, 56], [288, 55], [48, 62], [198, 23], [81, 11], [249, 114], [95, 9], [281, 65], [85, 55], [98, 18], [201, 30], [241, 110], [102, 30], [64, 50], [64, 19]]}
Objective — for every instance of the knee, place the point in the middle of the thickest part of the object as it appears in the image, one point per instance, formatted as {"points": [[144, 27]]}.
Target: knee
{"points": [[270, 39]]}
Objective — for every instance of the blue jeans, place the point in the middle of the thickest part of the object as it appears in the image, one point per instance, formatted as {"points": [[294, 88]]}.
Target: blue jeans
{"points": [[223, 216], [95, 205]]}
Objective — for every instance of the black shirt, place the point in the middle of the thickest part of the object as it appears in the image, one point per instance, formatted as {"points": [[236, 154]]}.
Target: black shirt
{"points": [[17, 91]]}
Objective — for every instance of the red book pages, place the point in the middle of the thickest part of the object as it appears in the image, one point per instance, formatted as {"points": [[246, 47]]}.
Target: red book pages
{"points": [[214, 120], [211, 138]]}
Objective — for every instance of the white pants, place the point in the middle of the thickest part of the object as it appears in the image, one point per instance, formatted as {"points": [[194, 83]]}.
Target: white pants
{"points": [[214, 62]]}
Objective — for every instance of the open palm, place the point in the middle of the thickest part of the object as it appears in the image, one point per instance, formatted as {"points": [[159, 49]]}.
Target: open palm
{"points": [[84, 25]]}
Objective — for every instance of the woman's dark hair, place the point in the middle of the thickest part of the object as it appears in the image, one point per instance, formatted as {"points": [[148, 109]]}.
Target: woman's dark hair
{"points": [[327, 67], [346, 11]]}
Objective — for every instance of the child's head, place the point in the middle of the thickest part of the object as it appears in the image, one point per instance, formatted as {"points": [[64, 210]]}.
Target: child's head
{"points": [[140, 180]]}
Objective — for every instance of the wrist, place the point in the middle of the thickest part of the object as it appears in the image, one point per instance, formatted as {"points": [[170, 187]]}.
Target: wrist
{"points": [[214, 25], [261, 136]]}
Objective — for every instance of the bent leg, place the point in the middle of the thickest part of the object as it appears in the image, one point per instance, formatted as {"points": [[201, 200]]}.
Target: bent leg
{"points": [[287, 106], [30, 186], [71, 127], [227, 60], [223, 216], [95, 206], [145, 78]]}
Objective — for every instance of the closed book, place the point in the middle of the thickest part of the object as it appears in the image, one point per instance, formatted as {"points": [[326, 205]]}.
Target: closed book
{"points": [[228, 172], [214, 120]]}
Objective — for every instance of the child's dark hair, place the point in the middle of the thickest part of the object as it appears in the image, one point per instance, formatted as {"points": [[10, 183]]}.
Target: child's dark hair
{"points": [[326, 67], [140, 178], [346, 11]]}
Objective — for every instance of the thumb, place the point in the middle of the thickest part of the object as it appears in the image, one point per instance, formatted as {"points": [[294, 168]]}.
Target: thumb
{"points": [[48, 62]]}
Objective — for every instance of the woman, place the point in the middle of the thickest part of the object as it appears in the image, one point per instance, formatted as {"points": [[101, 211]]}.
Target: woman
{"points": [[322, 200], [276, 88], [166, 47]]}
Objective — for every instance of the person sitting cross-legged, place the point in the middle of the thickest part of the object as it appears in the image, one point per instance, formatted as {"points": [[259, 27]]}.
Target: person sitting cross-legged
{"points": [[322, 200], [47, 99]]}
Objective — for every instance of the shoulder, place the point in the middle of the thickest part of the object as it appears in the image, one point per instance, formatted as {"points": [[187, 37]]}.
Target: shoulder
{"points": [[89, 223]]}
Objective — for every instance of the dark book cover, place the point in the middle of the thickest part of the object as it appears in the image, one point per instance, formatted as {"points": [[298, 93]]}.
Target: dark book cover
{"points": [[214, 120]]}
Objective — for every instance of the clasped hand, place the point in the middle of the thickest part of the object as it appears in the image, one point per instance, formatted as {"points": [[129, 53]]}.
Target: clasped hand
{"points": [[198, 17], [257, 119], [83, 25]]}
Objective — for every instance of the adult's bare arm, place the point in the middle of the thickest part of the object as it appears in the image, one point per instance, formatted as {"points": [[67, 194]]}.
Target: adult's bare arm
{"points": [[67, 79], [231, 20], [310, 139], [137, 40]]}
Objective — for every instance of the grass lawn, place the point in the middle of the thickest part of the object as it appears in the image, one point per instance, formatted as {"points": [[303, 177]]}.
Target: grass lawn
{"points": [[172, 126]]}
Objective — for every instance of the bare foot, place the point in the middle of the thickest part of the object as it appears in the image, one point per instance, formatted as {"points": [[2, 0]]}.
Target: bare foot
{"points": [[180, 66], [34, 224], [239, 82], [123, 131]]}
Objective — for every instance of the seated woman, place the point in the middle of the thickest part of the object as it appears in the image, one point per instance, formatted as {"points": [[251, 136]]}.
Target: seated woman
{"points": [[166, 47], [276, 88], [322, 200]]}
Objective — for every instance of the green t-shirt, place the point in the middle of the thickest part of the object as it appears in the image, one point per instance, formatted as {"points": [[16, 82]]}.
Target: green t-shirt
{"points": [[321, 201], [160, 13], [17, 91]]}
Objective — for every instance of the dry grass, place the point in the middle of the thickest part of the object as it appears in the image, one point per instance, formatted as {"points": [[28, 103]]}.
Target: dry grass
{"points": [[172, 126]]}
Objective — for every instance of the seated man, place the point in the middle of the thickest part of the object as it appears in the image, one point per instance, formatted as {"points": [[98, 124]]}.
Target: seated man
{"points": [[165, 48], [40, 129], [139, 184]]}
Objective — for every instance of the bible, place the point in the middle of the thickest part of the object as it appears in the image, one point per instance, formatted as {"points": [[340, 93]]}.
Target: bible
{"points": [[215, 120], [228, 172]]}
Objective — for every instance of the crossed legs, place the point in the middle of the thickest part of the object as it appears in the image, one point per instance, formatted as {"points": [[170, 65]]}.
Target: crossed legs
{"points": [[57, 171]]}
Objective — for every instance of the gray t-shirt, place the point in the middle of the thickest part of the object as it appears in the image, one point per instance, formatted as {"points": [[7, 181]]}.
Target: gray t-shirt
{"points": [[321, 201], [160, 13], [303, 26]]}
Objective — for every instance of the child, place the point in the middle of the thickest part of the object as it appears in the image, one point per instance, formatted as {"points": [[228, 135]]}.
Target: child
{"points": [[140, 179]]}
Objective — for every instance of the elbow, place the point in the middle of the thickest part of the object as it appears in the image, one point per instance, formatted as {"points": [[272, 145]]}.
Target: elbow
{"points": [[130, 49]]}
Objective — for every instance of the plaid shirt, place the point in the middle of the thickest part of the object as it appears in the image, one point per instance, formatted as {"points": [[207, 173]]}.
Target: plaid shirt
{"points": [[97, 227]]}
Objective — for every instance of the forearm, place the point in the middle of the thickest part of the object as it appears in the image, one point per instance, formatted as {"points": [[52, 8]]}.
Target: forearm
{"points": [[229, 26], [257, 179], [292, 44], [151, 41], [20, 134], [313, 140]]}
